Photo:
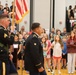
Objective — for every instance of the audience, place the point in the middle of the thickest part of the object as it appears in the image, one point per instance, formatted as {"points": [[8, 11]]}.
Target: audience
{"points": [[56, 36]]}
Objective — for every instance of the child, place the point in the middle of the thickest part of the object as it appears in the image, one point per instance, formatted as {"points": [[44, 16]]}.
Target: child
{"points": [[17, 49], [44, 50], [57, 53], [64, 53], [48, 58], [71, 50]]}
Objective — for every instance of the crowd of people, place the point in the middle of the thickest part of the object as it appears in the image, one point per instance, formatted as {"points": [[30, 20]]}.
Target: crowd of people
{"points": [[71, 16], [59, 49], [10, 11], [39, 50]]}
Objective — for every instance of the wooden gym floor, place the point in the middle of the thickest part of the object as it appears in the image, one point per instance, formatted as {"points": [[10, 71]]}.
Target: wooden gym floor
{"points": [[63, 72]]}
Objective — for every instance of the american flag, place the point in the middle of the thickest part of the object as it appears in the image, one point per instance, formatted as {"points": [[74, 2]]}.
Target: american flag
{"points": [[21, 9]]}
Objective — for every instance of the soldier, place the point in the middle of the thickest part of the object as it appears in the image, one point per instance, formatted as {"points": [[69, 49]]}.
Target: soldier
{"points": [[34, 60], [5, 41]]}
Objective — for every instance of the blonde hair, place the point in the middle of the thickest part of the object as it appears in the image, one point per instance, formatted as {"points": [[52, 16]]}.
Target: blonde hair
{"points": [[64, 37]]}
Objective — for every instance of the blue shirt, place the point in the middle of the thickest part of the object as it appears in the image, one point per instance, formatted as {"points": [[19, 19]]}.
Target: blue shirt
{"points": [[65, 48]]}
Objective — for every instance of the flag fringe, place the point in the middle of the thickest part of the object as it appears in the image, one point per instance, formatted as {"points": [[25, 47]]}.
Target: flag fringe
{"points": [[18, 21]]}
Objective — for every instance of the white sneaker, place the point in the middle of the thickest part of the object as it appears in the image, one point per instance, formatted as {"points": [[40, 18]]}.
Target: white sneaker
{"points": [[59, 72], [53, 72], [72, 72], [49, 70], [69, 72]]}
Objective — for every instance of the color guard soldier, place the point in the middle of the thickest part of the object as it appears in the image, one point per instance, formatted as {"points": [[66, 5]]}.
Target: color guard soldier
{"points": [[5, 41], [34, 60]]}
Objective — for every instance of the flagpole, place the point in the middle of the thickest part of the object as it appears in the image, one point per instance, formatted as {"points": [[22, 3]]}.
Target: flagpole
{"points": [[13, 16]]}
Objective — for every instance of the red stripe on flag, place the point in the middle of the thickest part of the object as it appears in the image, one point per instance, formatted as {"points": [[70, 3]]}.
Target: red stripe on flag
{"points": [[25, 5], [17, 18], [21, 9]]}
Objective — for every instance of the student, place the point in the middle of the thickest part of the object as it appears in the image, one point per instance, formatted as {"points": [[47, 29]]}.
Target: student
{"points": [[64, 53], [17, 48], [44, 50], [48, 58], [71, 50], [57, 53]]}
